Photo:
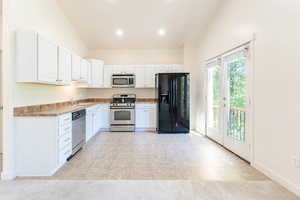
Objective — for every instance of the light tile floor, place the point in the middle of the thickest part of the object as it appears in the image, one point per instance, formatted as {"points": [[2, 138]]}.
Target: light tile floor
{"points": [[149, 156], [150, 166]]}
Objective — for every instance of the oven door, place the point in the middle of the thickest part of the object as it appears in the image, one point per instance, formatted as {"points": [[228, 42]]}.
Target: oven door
{"points": [[120, 81], [122, 116]]}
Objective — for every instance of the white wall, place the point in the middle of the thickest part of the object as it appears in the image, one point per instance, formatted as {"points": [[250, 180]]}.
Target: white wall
{"points": [[276, 77], [133, 57], [138, 56], [46, 17]]}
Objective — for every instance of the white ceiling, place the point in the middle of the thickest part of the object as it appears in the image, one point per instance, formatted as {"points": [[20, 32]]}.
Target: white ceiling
{"points": [[97, 20]]}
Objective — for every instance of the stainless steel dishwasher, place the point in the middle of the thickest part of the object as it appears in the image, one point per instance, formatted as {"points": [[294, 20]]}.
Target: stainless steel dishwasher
{"points": [[78, 130]]}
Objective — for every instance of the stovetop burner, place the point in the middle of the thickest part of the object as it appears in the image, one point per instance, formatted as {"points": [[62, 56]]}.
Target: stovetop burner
{"points": [[123, 100]]}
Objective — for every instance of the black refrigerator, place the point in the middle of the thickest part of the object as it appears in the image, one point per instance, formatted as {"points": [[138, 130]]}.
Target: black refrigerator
{"points": [[173, 96]]}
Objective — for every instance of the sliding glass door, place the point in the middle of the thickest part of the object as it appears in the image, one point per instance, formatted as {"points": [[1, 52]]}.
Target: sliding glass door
{"points": [[227, 102]]}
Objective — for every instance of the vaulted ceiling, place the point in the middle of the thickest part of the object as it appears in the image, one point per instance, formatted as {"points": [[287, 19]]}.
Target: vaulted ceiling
{"points": [[97, 21]]}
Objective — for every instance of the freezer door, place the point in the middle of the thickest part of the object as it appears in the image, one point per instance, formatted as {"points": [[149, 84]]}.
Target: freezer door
{"points": [[180, 104]]}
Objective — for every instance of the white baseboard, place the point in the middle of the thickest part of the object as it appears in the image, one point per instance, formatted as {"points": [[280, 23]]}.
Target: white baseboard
{"points": [[279, 179], [8, 175]]}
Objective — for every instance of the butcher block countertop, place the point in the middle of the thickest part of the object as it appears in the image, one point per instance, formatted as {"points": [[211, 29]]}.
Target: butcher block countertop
{"points": [[56, 109]]}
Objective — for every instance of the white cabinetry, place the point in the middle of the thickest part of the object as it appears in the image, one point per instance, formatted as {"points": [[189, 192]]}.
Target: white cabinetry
{"points": [[139, 77], [64, 66], [84, 70], [108, 72], [89, 124], [97, 119], [146, 116], [144, 74], [43, 144], [39, 60], [47, 60], [76, 65], [96, 73], [105, 117], [36, 59], [150, 77]]}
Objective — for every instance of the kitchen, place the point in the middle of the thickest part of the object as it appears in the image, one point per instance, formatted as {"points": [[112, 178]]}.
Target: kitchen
{"points": [[79, 120], [95, 92]]}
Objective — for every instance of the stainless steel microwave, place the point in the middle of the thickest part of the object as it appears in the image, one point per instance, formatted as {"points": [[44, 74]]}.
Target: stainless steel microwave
{"points": [[123, 80]]}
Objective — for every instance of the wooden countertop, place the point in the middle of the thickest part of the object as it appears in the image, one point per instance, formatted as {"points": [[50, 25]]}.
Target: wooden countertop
{"points": [[56, 109]]}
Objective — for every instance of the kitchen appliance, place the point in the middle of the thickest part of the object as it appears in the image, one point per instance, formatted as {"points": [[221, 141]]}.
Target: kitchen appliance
{"points": [[173, 95], [123, 80], [122, 113], [78, 130]]}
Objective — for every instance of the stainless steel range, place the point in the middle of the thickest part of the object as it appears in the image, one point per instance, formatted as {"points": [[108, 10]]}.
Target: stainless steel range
{"points": [[122, 113]]}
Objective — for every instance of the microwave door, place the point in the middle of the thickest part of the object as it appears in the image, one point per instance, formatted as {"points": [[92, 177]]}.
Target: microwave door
{"points": [[120, 82]]}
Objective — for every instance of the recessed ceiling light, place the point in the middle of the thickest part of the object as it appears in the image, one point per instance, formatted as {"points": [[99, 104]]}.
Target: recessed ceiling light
{"points": [[161, 32], [119, 32]]}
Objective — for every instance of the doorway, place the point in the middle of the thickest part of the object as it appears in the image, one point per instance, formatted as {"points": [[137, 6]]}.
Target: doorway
{"points": [[227, 101]]}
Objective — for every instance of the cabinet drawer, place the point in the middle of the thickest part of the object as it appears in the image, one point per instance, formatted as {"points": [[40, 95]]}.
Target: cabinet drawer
{"points": [[65, 119], [66, 129], [65, 153], [65, 140]]}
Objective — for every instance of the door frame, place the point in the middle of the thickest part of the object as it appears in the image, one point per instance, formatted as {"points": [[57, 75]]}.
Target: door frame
{"points": [[250, 94]]}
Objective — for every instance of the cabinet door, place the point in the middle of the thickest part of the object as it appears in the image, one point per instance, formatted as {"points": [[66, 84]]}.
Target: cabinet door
{"points": [[149, 77], [105, 116], [141, 118], [108, 71], [76, 63], [84, 70], [47, 61], [97, 73], [139, 77], [89, 125], [98, 119], [64, 66], [95, 121]]}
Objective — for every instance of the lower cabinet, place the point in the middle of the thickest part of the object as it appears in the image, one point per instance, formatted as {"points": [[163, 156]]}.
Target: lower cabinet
{"points": [[89, 124], [97, 119], [105, 117], [146, 116], [43, 144]]}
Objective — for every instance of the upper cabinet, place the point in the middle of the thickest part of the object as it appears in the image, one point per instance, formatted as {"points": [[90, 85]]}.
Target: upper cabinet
{"points": [[139, 77], [108, 72], [39, 60], [64, 66], [47, 61], [36, 59], [84, 71], [76, 67], [96, 73], [144, 74], [150, 72]]}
